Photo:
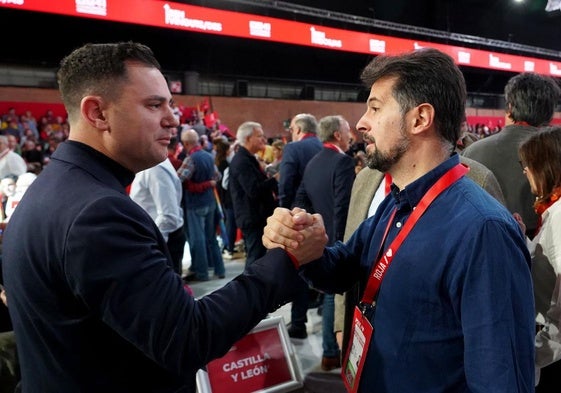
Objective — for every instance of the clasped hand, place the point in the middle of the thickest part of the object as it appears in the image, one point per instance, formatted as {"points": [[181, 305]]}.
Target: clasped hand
{"points": [[300, 233]]}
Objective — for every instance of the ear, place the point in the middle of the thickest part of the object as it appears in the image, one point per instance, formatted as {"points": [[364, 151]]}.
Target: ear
{"points": [[508, 112], [423, 118], [337, 135], [92, 112]]}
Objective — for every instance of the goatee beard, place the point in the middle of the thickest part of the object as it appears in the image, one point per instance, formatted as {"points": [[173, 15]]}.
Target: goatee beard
{"points": [[383, 162]]}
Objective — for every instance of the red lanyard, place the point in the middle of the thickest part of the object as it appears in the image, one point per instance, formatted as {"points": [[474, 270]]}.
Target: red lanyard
{"points": [[388, 183], [380, 269]]}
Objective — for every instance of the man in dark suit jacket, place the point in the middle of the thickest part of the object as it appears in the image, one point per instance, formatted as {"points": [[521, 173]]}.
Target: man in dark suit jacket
{"points": [[94, 300], [253, 193], [296, 155], [326, 189]]}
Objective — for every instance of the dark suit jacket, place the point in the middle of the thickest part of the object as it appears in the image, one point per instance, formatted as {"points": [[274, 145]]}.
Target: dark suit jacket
{"points": [[326, 189], [295, 157], [95, 303], [252, 192]]}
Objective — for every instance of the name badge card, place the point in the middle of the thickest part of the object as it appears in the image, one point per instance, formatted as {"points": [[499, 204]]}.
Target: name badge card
{"points": [[361, 334]]}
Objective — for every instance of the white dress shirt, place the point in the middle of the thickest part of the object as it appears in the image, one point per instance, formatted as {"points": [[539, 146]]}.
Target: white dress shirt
{"points": [[158, 191]]}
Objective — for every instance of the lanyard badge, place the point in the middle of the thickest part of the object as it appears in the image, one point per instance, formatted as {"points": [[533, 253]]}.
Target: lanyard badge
{"points": [[359, 342]]}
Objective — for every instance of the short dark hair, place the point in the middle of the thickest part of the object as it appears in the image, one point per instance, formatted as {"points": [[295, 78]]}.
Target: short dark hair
{"points": [[98, 69], [531, 98], [424, 76]]}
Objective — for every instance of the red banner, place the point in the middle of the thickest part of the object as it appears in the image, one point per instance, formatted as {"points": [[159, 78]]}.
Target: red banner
{"points": [[179, 16]]}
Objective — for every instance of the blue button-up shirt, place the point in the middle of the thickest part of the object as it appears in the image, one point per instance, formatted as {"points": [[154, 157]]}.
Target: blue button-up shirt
{"points": [[455, 310]]}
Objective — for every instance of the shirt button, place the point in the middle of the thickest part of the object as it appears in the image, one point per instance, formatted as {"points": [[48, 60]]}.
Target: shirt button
{"points": [[398, 224]]}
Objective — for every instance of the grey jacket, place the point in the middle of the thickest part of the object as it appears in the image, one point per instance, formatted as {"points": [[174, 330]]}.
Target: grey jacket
{"points": [[499, 153]]}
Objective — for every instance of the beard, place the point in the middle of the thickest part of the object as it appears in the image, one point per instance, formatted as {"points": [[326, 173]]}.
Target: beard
{"points": [[384, 161]]}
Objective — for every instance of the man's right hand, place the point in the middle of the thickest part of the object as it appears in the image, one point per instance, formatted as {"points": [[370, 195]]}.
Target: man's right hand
{"points": [[300, 233]]}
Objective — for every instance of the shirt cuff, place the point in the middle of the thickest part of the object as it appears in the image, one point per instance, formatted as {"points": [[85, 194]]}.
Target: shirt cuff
{"points": [[293, 260]]}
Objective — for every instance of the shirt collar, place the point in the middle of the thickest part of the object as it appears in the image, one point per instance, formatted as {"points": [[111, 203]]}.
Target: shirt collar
{"points": [[412, 194], [195, 149], [122, 174]]}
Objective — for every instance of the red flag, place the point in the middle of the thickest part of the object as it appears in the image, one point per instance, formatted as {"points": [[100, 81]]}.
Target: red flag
{"points": [[204, 107]]}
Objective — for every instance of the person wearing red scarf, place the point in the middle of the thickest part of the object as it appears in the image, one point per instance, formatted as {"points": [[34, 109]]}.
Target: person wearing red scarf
{"points": [[540, 158]]}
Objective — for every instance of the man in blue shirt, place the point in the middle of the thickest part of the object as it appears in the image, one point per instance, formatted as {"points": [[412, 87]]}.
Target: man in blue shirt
{"points": [[451, 306], [201, 210]]}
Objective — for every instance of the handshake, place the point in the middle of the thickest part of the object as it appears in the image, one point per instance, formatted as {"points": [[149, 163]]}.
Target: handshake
{"points": [[300, 233]]}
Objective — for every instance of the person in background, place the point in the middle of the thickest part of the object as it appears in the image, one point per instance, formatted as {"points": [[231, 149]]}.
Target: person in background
{"points": [[274, 166], [530, 101], [206, 144], [13, 144], [10, 163], [9, 116], [466, 136], [222, 161], [158, 191], [296, 154], [201, 210], [31, 122], [200, 127], [253, 193], [173, 148], [28, 136], [14, 128], [460, 319], [21, 186], [540, 158], [326, 189], [266, 154], [33, 156], [7, 189], [9, 362], [86, 270], [359, 159]]}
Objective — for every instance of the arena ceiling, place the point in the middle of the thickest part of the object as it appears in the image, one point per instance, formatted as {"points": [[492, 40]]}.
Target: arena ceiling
{"points": [[524, 22], [42, 39]]}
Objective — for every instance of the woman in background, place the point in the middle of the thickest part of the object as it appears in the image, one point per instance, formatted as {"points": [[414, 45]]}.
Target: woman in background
{"points": [[274, 166], [540, 158]]}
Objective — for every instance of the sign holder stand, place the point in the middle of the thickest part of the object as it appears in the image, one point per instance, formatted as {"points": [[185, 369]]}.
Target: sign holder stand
{"points": [[263, 361]]}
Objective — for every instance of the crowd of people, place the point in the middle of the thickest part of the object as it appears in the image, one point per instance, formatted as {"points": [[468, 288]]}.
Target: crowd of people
{"points": [[435, 249]]}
